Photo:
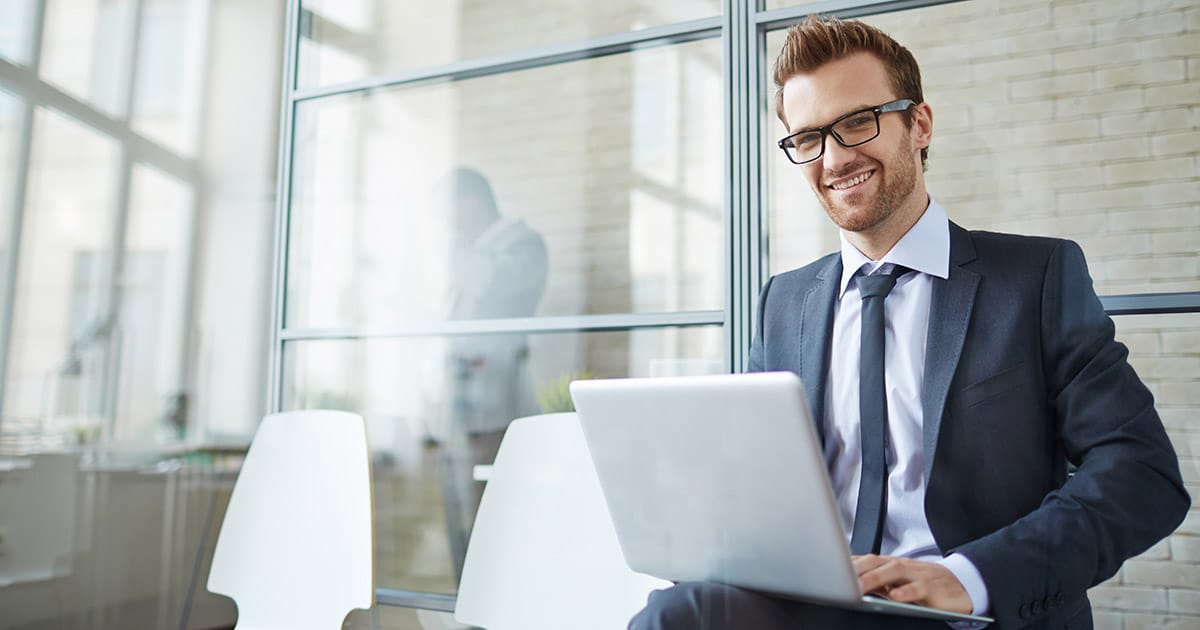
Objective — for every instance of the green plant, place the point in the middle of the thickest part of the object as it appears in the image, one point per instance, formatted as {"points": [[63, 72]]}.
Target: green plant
{"points": [[555, 395]]}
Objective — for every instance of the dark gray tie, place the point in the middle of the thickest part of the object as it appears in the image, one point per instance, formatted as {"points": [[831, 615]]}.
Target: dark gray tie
{"points": [[872, 404]]}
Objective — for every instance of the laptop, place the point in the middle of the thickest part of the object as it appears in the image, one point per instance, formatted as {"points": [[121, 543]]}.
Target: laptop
{"points": [[721, 478]]}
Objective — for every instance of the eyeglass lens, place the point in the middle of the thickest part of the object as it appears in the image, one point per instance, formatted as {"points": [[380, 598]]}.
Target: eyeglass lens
{"points": [[851, 131]]}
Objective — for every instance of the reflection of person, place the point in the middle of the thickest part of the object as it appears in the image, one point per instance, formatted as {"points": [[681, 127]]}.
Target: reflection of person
{"points": [[498, 270], [999, 367]]}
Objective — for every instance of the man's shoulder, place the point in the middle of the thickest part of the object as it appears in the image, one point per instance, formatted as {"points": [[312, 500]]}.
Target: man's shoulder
{"points": [[1008, 248], [806, 275]]}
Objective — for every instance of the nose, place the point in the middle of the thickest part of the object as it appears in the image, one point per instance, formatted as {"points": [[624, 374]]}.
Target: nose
{"points": [[836, 156]]}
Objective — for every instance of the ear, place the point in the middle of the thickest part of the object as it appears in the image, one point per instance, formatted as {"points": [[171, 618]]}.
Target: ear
{"points": [[922, 127]]}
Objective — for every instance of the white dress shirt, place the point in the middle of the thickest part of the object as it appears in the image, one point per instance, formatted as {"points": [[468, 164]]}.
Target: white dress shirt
{"points": [[926, 250]]}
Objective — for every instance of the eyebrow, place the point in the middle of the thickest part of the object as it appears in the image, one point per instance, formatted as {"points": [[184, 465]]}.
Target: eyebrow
{"points": [[848, 112]]}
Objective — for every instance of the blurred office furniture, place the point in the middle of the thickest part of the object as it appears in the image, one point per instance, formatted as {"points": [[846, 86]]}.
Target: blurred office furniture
{"points": [[296, 547], [38, 498], [543, 552]]}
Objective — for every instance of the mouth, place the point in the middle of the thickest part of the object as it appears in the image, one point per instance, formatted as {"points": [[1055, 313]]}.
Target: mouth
{"points": [[849, 183]]}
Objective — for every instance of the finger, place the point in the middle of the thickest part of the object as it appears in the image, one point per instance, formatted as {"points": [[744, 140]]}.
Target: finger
{"points": [[867, 562], [892, 572], [915, 592]]}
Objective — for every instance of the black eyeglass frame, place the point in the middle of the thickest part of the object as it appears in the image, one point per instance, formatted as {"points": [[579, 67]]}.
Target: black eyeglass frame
{"points": [[897, 105]]}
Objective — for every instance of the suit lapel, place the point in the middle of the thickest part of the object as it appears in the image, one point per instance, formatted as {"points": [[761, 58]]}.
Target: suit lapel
{"points": [[949, 316], [816, 328]]}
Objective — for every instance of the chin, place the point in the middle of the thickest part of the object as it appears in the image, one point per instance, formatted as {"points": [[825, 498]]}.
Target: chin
{"points": [[856, 219]]}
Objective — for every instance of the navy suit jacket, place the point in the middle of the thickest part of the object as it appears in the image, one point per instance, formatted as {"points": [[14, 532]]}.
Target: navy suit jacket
{"points": [[1022, 376]]}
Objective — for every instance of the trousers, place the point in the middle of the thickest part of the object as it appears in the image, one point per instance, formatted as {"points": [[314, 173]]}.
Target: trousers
{"points": [[714, 606]]}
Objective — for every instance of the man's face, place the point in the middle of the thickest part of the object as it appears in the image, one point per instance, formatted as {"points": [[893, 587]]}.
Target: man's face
{"points": [[861, 187]]}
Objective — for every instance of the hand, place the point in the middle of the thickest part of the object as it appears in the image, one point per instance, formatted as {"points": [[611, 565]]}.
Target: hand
{"points": [[912, 582]]}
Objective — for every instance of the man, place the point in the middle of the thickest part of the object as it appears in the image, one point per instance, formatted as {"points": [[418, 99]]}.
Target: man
{"points": [[498, 270], [1000, 368]]}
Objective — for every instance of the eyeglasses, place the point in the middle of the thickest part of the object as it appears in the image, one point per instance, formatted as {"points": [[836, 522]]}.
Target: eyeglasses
{"points": [[851, 130]]}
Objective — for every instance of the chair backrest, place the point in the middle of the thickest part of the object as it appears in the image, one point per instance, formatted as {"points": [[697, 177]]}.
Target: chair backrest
{"points": [[543, 552], [295, 548]]}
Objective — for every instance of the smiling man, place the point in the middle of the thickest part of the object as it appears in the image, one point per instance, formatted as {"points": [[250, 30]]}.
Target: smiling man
{"points": [[953, 376]]}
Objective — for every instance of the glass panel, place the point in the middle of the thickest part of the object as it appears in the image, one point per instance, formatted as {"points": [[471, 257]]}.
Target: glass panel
{"points": [[1072, 120], [455, 397], [62, 325], [151, 399], [586, 202], [343, 40], [170, 65], [85, 50], [16, 29], [1165, 350]]}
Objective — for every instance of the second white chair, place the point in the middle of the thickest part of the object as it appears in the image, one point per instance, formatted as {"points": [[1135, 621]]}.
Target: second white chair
{"points": [[543, 552]]}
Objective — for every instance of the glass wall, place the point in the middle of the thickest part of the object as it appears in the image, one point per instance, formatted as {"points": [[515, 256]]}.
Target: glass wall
{"points": [[138, 175], [470, 198], [1069, 118], [459, 249]]}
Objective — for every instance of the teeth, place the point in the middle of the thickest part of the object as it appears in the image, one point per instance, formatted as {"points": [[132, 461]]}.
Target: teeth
{"points": [[852, 182]]}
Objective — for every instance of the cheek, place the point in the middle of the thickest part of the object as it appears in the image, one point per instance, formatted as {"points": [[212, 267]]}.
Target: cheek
{"points": [[812, 174]]}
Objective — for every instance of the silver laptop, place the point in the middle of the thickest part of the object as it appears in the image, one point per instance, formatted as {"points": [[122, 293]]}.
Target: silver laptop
{"points": [[721, 478]]}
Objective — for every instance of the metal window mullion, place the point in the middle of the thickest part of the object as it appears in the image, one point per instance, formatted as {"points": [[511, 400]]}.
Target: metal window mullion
{"points": [[1152, 303], [528, 59], [12, 257], [19, 196], [274, 398], [415, 599], [112, 301], [111, 379], [741, 130], [125, 108], [40, 93], [519, 325], [779, 18]]}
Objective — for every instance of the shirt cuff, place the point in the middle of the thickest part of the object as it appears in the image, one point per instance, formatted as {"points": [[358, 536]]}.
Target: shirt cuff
{"points": [[971, 581]]}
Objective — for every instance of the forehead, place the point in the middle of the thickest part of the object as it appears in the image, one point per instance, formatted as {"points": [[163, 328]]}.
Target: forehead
{"points": [[815, 98]]}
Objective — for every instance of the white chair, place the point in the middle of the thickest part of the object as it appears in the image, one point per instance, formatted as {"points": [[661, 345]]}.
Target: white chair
{"points": [[295, 548], [543, 552]]}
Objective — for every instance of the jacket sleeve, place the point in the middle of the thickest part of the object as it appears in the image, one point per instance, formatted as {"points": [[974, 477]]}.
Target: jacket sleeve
{"points": [[757, 362], [1126, 493]]}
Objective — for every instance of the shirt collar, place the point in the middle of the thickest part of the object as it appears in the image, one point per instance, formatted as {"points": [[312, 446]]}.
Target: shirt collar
{"points": [[924, 248]]}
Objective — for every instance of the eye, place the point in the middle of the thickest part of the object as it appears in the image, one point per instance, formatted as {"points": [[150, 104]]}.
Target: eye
{"points": [[807, 141], [859, 120]]}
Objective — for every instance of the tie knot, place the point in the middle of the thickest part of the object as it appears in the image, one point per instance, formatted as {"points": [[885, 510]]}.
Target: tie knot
{"points": [[880, 284]]}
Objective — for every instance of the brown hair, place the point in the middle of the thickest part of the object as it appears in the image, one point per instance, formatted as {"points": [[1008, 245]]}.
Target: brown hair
{"points": [[820, 39]]}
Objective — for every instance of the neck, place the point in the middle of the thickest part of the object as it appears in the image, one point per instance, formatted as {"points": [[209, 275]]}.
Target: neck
{"points": [[879, 240]]}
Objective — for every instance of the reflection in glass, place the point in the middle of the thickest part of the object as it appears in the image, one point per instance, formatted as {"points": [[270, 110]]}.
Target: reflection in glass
{"points": [[63, 322], [589, 155], [151, 403], [343, 40], [166, 97], [437, 407], [1075, 122], [16, 29]]}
